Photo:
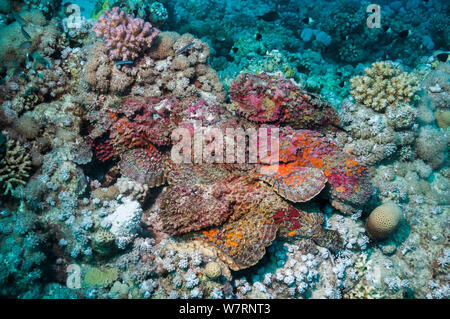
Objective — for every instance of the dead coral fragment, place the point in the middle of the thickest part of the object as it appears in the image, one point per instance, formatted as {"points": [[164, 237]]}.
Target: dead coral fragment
{"points": [[383, 85], [15, 165]]}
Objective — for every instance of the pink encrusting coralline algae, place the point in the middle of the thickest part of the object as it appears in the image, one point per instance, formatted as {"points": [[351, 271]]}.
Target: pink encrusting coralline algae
{"points": [[126, 37]]}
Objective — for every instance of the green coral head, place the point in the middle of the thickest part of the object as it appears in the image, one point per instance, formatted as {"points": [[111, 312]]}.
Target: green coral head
{"points": [[96, 277], [96, 14]]}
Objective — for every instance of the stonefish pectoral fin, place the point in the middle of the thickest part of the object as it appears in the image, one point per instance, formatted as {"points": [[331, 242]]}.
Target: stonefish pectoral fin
{"points": [[297, 184]]}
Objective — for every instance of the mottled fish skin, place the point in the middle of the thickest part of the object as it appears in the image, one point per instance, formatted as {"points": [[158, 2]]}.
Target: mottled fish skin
{"points": [[20, 20], [25, 33], [123, 62], [184, 49]]}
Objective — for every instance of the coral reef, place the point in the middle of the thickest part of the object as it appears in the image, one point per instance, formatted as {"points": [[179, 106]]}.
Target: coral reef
{"points": [[376, 137], [383, 85], [126, 37], [23, 256], [97, 106], [185, 74]]}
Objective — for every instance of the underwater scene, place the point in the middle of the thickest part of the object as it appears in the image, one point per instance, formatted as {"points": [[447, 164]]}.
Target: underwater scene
{"points": [[224, 149]]}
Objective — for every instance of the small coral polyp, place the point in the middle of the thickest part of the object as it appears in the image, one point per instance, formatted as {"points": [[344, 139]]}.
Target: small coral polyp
{"points": [[126, 37]]}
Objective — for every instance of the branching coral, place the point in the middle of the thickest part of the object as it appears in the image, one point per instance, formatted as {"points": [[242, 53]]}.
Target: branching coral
{"points": [[15, 166], [383, 85], [126, 37], [378, 136]]}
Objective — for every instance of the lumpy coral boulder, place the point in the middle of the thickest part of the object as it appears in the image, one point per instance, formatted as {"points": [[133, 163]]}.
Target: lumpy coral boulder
{"points": [[384, 220]]}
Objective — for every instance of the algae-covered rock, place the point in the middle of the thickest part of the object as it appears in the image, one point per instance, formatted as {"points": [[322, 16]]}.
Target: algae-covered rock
{"points": [[95, 277]]}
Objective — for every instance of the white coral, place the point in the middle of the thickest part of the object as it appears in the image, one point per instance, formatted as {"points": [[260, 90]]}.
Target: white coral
{"points": [[131, 188], [125, 222]]}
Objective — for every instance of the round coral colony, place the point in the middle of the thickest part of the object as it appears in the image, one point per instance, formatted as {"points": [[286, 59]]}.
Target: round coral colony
{"points": [[383, 221]]}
